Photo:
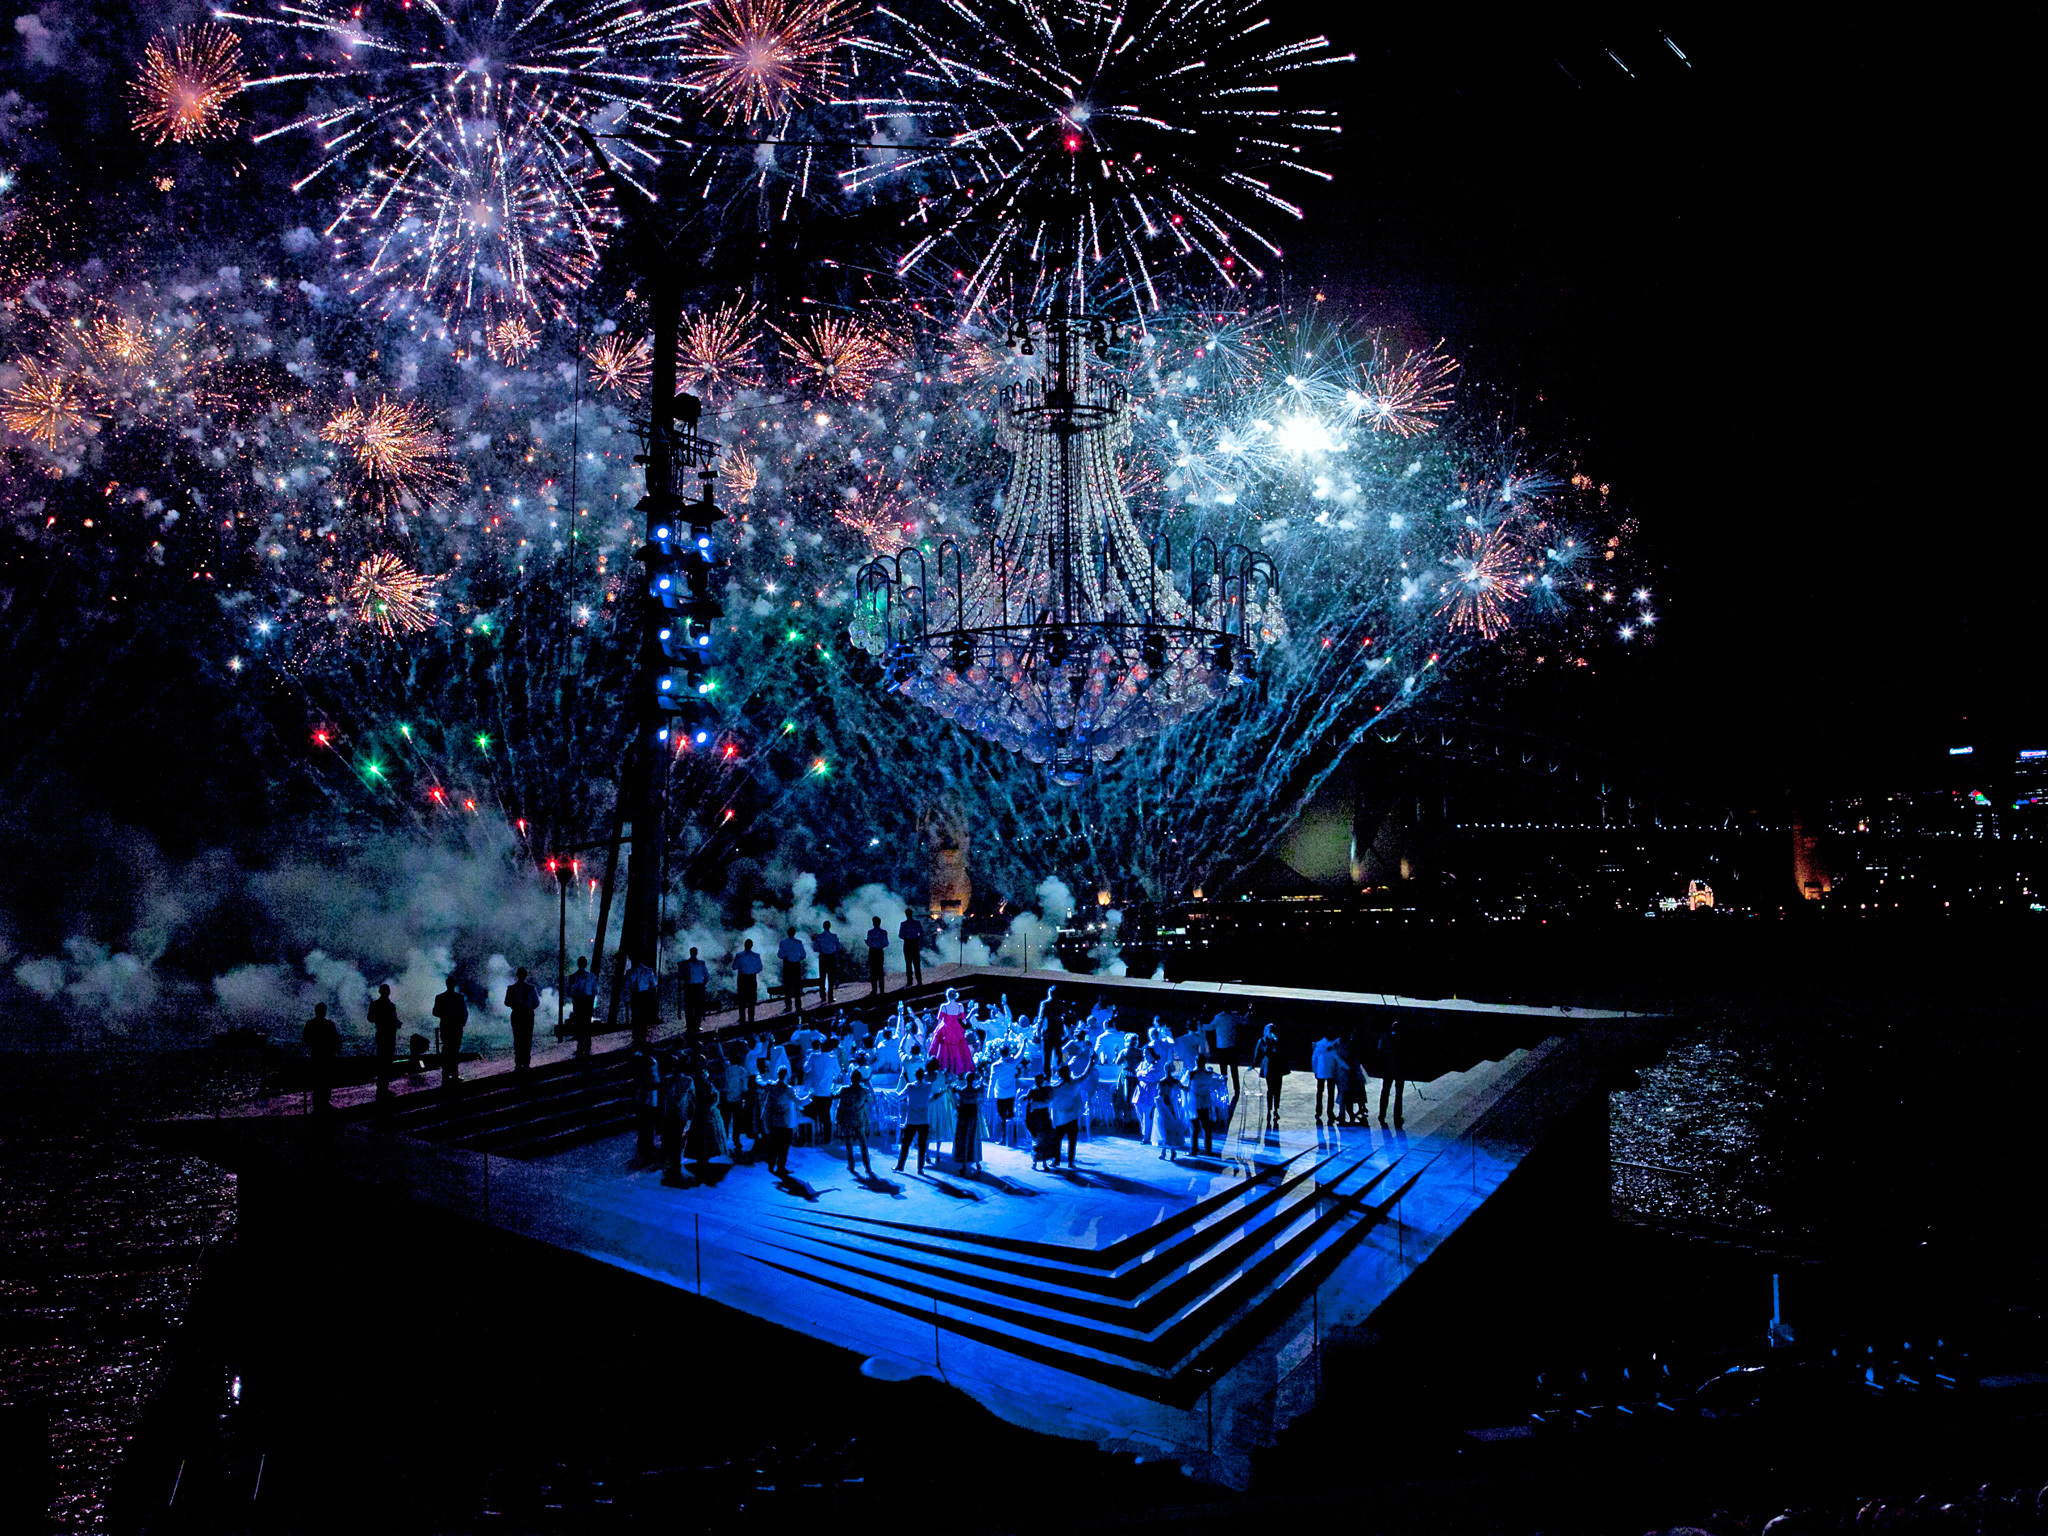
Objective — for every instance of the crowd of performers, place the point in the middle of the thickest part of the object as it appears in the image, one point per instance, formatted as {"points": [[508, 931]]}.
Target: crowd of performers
{"points": [[938, 1082]]}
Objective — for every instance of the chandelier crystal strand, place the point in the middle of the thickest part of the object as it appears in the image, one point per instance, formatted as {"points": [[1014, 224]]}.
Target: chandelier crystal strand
{"points": [[1067, 638]]}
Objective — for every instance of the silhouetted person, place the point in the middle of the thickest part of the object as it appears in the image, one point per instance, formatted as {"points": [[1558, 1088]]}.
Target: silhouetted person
{"points": [[911, 932], [878, 955], [322, 1041], [1269, 1060], [452, 1009], [582, 1004], [1206, 1096], [646, 1103], [524, 1000], [696, 984], [917, 1120], [827, 946], [643, 992], [748, 966], [853, 1110], [1391, 1067], [384, 1020], [782, 1110], [791, 953], [1224, 1051]]}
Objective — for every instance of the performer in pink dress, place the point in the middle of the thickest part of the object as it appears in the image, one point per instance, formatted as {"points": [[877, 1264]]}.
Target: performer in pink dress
{"points": [[948, 1044]]}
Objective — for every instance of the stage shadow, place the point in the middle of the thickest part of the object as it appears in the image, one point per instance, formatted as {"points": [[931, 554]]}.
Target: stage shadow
{"points": [[945, 1188], [997, 1181], [875, 1183], [713, 1174], [803, 1190]]}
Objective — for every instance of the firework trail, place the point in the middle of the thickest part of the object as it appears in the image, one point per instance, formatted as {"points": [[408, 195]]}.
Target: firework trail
{"points": [[190, 77], [392, 598], [1066, 134]]}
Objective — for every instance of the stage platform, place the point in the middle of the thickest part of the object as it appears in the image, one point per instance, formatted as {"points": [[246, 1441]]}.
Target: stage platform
{"points": [[1175, 1308]]}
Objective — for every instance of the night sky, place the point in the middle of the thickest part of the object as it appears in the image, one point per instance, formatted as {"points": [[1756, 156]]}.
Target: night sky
{"points": [[1775, 296]]}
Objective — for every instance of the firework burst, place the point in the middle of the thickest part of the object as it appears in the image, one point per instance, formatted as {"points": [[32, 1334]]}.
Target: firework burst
{"points": [[472, 215], [513, 340], [403, 456], [1404, 396], [751, 60], [1485, 579], [840, 357], [738, 472], [1078, 135], [717, 351], [189, 78], [626, 366], [392, 598], [43, 405]]}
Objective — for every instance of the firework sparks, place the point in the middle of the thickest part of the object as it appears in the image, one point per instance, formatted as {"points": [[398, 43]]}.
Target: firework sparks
{"points": [[1485, 579], [43, 405], [402, 454], [717, 351], [756, 59], [619, 364], [740, 476], [1405, 396], [1102, 135], [502, 215], [842, 357], [189, 78], [513, 340], [393, 598]]}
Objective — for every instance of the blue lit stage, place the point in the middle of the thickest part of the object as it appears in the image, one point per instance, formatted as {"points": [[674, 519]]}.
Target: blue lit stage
{"points": [[1175, 1309]]}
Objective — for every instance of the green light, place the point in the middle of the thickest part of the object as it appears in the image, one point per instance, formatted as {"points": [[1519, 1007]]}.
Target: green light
{"points": [[788, 726], [826, 654], [794, 635], [711, 686], [483, 742], [375, 770], [484, 625], [405, 731]]}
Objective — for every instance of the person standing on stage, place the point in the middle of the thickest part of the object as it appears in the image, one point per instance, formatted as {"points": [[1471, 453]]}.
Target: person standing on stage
{"points": [[1268, 1060], [452, 1009], [911, 932], [878, 955], [967, 1125], [1326, 1060], [1223, 1047], [384, 1020], [917, 1119], [827, 946], [748, 966], [1207, 1095], [643, 991], [323, 1041], [1392, 1066], [582, 1004], [524, 1001], [791, 953], [781, 1113], [852, 1110], [696, 984], [1069, 1103]]}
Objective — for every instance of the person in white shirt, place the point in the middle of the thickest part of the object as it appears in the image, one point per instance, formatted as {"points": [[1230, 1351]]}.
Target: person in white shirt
{"points": [[1002, 1083], [1208, 1094], [1190, 1048], [917, 1119], [821, 1081], [1326, 1059]]}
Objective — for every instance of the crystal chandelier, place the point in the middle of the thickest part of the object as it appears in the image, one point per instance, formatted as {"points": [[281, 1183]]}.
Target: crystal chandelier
{"points": [[1065, 635]]}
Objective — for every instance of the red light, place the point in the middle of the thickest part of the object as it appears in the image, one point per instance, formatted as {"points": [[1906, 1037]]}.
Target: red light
{"points": [[521, 825], [321, 737], [730, 749], [435, 793], [728, 815], [469, 805], [1073, 142], [551, 866]]}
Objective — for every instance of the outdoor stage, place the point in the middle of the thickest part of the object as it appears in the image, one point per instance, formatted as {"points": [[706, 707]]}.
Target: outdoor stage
{"points": [[1176, 1309]]}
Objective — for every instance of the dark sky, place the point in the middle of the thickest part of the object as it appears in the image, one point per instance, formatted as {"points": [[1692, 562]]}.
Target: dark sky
{"points": [[1773, 293]]}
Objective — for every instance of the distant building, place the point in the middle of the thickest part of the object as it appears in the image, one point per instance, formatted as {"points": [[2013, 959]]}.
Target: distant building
{"points": [[1698, 894]]}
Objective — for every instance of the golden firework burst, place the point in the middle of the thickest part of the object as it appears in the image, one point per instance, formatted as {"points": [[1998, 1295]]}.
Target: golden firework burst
{"points": [[737, 470], [400, 451], [717, 351], [43, 405], [623, 365], [754, 59], [513, 340], [393, 598], [843, 357], [190, 75]]}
